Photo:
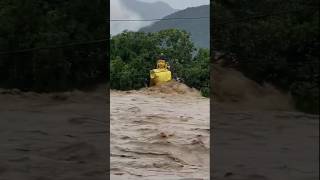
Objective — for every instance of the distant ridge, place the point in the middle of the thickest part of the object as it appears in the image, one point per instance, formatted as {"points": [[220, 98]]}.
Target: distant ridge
{"points": [[198, 28], [148, 10]]}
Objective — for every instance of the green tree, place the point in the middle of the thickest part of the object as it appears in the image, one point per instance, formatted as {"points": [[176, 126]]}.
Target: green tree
{"points": [[36, 23], [134, 54]]}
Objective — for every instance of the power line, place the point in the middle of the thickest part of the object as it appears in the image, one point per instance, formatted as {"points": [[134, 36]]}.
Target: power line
{"points": [[233, 20], [54, 47], [229, 21], [164, 19], [257, 16]]}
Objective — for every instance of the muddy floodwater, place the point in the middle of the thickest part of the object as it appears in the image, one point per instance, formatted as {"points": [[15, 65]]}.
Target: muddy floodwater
{"points": [[159, 135], [53, 136], [155, 134]]}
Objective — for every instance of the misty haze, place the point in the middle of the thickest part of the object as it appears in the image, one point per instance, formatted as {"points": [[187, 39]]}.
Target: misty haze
{"points": [[143, 9]]}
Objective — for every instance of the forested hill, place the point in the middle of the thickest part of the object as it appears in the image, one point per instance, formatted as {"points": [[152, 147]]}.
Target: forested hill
{"points": [[154, 10], [199, 28]]}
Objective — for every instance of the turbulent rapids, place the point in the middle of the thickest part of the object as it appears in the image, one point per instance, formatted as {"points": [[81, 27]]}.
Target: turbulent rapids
{"points": [[160, 132]]}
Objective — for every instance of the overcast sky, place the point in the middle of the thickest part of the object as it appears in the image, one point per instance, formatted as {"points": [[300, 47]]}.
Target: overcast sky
{"points": [[119, 11], [182, 4]]}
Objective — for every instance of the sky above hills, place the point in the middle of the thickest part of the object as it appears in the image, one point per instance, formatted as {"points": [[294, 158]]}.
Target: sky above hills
{"points": [[182, 4], [119, 10]]}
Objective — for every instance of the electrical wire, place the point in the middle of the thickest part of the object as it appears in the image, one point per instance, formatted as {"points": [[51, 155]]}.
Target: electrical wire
{"points": [[55, 47], [164, 19], [229, 21], [257, 16]]}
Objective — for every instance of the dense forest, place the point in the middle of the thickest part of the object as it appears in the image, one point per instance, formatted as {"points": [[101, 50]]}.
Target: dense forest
{"points": [[273, 41], [41, 27], [134, 54]]}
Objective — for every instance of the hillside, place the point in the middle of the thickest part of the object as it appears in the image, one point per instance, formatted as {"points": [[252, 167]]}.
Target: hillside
{"points": [[199, 28], [156, 10]]}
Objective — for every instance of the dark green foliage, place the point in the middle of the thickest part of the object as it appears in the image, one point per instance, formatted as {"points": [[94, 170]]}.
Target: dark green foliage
{"points": [[281, 49], [134, 54], [196, 74], [37, 23]]}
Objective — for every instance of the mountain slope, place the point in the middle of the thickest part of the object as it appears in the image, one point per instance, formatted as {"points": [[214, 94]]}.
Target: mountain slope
{"points": [[198, 28], [156, 10]]}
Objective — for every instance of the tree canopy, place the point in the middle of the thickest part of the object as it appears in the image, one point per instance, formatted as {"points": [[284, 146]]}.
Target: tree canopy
{"points": [[36, 23], [134, 54]]}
